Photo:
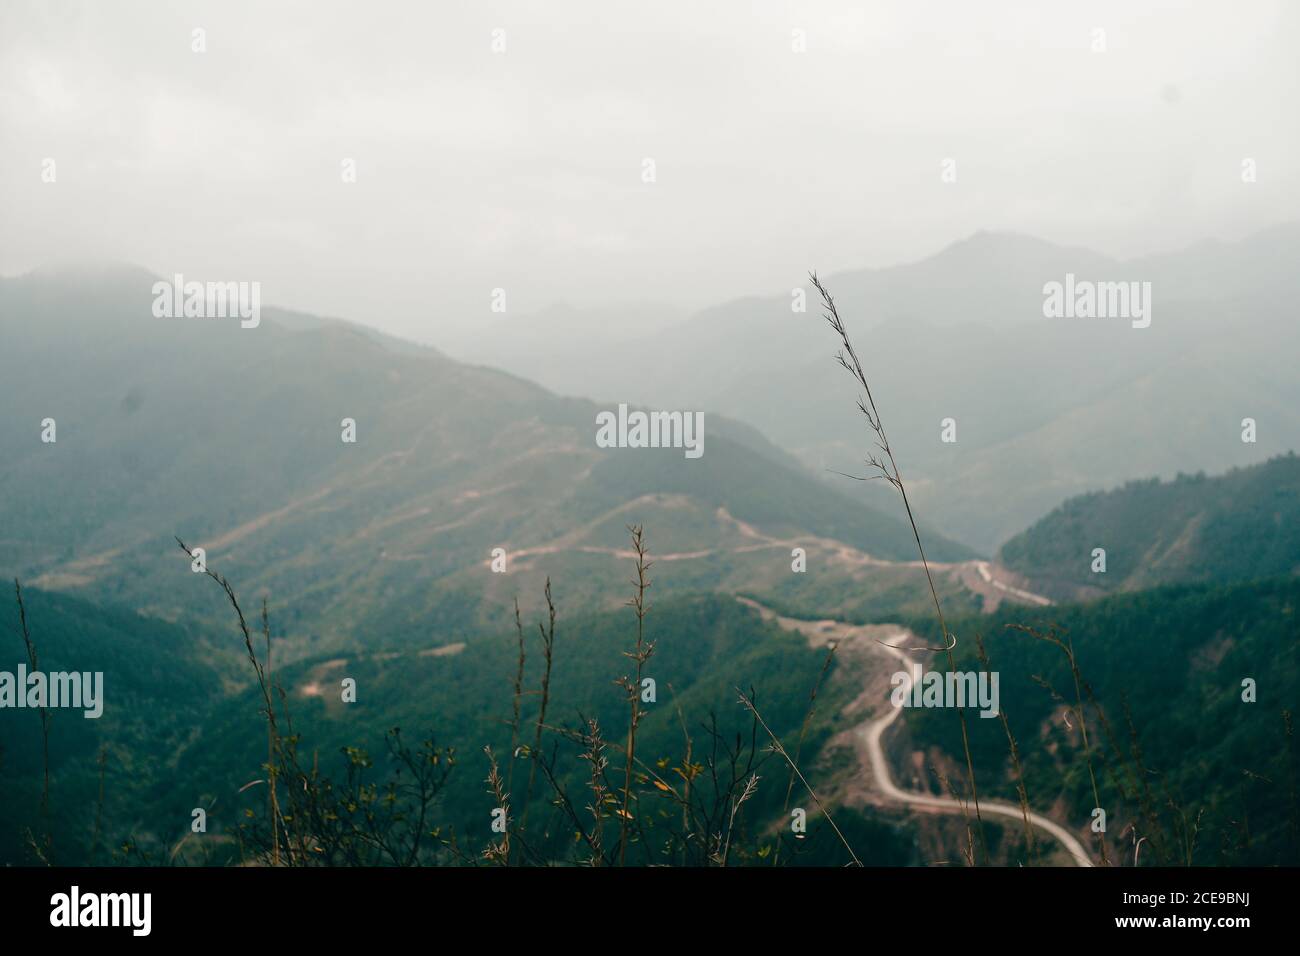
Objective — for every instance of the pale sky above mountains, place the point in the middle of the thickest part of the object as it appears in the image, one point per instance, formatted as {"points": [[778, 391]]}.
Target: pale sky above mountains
{"points": [[523, 169]]}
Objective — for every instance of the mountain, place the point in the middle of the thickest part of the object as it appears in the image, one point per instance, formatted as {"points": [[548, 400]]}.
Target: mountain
{"points": [[1188, 763], [1238, 526], [230, 438], [1044, 408], [374, 560]]}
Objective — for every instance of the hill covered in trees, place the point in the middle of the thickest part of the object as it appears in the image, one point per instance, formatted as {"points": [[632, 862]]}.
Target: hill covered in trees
{"points": [[230, 438], [1181, 758], [1242, 525]]}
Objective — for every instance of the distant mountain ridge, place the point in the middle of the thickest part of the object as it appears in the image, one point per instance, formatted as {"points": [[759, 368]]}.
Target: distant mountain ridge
{"points": [[1044, 408]]}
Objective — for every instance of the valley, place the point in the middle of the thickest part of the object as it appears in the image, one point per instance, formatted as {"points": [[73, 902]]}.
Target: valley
{"points": [[395, 562], [674, 437], [1045, 409]]}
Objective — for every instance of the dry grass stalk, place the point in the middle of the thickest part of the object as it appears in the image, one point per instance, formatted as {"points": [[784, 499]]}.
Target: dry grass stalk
{"points": [[639, 656], [779, 748], [548, 649], [968, 851], [499, 852], [686, 778], [1021, 792], [44, 850], [803, 731], [886, 467], [264, 685], [595, 757], [518, 695], [751, 787], [1067, 648]]}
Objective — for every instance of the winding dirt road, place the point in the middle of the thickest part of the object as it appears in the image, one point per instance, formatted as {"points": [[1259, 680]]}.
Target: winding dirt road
{"points": [[873, 731], [986, 574]]}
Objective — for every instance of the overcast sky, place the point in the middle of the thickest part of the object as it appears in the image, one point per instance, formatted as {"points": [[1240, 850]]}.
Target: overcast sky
{"points": [[524, 169]]}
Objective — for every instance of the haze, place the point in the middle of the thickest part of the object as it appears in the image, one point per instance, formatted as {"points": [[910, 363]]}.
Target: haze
{"points": [[522, 170]]}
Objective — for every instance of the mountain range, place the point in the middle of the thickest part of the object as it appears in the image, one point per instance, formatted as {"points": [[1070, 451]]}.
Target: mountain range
{"points": [[375, 558], [1044, 408], [231, 439]]}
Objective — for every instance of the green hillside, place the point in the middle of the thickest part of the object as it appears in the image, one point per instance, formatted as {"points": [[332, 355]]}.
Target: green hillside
{"points": [[1205, 777], [704, 648], [159, 681], [230, 438], [176, 741], [1234, 527]]}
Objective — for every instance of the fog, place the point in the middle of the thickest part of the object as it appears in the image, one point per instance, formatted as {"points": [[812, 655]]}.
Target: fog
{"points": [[523, 169]]}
